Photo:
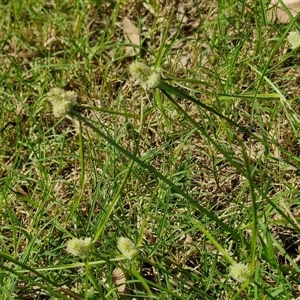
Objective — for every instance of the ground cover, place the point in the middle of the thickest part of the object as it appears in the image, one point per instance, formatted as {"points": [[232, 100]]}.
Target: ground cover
{"points": [[198, 167]]}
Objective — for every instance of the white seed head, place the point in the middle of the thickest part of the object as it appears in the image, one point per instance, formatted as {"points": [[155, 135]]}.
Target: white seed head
{"points": [[127, 247], [240, 272], [80, 247], [147, 77], [61, 101], [294, 39]]}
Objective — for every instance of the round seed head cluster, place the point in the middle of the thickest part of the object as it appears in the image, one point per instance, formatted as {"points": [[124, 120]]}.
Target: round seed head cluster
{"points": [[61, 101], [147, 77], [127, 247], [80, 247], [240, 272], [294, 39]]}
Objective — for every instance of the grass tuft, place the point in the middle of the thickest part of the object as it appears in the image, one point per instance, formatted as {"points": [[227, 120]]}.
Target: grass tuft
{"points": [[184, 181]]}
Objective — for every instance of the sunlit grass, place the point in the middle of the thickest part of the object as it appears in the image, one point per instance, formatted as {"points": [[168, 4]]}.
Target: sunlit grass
{"points": [[198, 173]]}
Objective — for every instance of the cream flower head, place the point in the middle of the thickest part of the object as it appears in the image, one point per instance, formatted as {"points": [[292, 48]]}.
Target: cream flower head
{"points": [[80, 247], [147, 77], [127, 247], [294, 39], [61, 101], [240, 272]]}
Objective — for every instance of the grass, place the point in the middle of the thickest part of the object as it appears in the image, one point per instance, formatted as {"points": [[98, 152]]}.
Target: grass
{"points": [[200, 172]]}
